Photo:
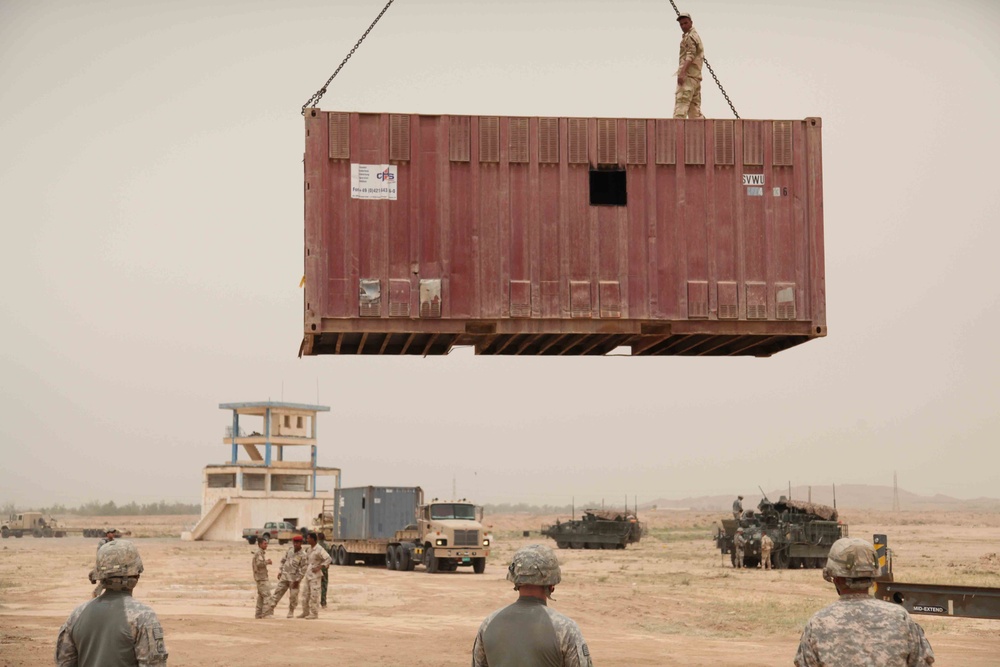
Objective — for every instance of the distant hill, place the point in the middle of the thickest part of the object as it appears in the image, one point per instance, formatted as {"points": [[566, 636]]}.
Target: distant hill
{"points": [[852, 496]]}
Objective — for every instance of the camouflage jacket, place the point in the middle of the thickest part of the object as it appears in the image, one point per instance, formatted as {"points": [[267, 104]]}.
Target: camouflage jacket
{"points": [[317, 557], [260, 565], [293, 565], [529, 632], [113, 630], [859, 630], [691, 47]]}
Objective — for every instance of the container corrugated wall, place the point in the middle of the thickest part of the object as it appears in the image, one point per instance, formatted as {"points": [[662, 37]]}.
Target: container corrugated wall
{"points": [[375, 512], [572, 236]]}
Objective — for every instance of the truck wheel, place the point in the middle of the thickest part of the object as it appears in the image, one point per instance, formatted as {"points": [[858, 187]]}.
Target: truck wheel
{"points": [[390, 558], [341, 555], [563, 545], [251, 539], [18, 533], [431, 561], [5, 532], [611, 545], [780, 559], [47, 532], [576, 545], [478, 565], [267, 536], [405, 560], [36, 533]]}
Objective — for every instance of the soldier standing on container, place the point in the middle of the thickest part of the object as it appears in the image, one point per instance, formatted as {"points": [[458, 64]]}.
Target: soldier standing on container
{"points": [[293, 568], [739, 544], [766, 544], [259, 564], [688, 96], [528, 632], [115, 628], [318, 558], [858, 629], [738, 507]]}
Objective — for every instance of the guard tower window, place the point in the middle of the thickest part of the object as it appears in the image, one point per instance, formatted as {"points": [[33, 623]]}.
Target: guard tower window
{"points": [[607, 187], [288, 421], [298, 422]]}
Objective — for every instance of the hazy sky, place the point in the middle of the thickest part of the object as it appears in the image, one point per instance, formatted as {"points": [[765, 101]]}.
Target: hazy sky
{"points": [[151, 202]]}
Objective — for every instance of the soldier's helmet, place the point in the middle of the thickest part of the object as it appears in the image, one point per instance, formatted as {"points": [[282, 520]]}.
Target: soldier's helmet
{"points": [[118, 559], [535, 565], [851, 558]]}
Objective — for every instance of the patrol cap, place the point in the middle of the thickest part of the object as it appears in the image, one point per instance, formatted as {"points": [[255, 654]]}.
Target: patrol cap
{"points": [[683, 15], [296, 538], [851, 558]]}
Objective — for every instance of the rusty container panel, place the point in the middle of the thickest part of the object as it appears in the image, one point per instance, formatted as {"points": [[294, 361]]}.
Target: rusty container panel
{"points": [[561, 236]]}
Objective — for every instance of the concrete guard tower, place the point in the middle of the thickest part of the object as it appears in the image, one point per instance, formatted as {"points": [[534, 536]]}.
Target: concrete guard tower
{"points": [[263, 484]]}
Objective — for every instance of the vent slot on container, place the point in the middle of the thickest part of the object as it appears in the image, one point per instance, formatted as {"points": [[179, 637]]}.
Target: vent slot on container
{"points": [[577, 141], [697, 299], [725, 142], [784, 301], [579, 298], [520, 298], [430, 298], [666, 142], [756, 301], [607, 141], [753, 142], [518, 148], [399, 298], [370, 298], [489, 139], [782, 156], [729, 306], [340, 136], [548, 140], [694, 142], [609, 294], [635, 136], [459, 138], [399, 136]]}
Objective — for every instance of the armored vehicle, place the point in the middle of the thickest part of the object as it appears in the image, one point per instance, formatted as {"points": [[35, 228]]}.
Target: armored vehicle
{"points": [[802, 533], [598, 529]]}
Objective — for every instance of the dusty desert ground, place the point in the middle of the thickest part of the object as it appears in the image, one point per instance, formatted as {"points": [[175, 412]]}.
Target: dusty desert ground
{"points": [[671, 600]]}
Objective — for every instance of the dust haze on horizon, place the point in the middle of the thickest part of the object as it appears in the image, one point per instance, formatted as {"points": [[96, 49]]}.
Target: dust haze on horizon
{"points": [[151, 197]]}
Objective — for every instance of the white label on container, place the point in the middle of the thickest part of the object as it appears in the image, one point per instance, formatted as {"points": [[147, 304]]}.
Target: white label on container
{"points": [[777, 192], [753, 179], [373, 181], [755, 192]]}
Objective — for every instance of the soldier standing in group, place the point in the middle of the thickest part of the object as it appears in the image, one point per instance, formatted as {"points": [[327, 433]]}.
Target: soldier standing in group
{"points": [[325, 582], [738, 507], [259, 564], [766, 544], [739, 545], [317, 558], [857, 629], [687, 102], [528, 632], [115, 628], [293, 568]]}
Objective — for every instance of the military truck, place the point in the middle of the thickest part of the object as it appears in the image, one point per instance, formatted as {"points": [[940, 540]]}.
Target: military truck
{"points": [[392, 526], [31, 523], [596, 529], [802, 533]]}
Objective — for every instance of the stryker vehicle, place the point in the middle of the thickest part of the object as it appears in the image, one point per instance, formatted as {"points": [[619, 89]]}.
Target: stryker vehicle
{"points": [[802, 533], [598, 529]]}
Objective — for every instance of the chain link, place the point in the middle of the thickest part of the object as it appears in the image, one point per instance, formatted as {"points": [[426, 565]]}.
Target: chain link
{"points": [[314, 100], [712, 71]]}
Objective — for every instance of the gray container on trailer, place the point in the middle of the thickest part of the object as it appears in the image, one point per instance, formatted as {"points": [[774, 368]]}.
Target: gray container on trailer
{"points": [[375, 512]]}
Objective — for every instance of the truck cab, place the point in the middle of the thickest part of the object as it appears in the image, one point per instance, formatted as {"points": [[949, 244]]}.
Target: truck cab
{"points": [[452, 535]]}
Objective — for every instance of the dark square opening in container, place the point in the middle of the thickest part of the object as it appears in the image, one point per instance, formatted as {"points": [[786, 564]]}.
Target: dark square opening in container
{"points": [[607, 187]]}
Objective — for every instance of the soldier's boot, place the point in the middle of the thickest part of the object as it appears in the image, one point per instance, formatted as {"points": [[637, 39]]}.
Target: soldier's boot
{"points": [[291, 611]]}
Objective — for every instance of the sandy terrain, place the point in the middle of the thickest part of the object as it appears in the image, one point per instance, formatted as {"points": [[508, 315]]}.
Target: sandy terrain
{"points": [[670, 600]]}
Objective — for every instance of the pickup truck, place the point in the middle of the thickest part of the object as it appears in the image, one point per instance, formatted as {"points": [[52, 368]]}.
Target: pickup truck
{"points": [[282, 531]]}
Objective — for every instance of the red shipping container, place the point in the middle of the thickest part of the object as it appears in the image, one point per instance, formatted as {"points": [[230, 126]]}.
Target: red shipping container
{"points": [[561, 236]]}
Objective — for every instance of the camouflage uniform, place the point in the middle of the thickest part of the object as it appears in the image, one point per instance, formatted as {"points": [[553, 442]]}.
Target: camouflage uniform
{"points": [[737, 508], [114, 629], [766, 544], [326, 575], [293, 568], [318, 558], [687, 102], [739, 544], [528, 632], [93, 573], [259, 565], [859, 630]]}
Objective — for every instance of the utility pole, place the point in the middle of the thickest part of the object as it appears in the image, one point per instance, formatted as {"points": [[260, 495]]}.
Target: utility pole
{"points": [[895, 493]]}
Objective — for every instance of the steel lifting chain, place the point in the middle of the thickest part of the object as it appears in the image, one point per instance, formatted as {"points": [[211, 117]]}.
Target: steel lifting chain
{"points": [[314, 100], [711, 71]]}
